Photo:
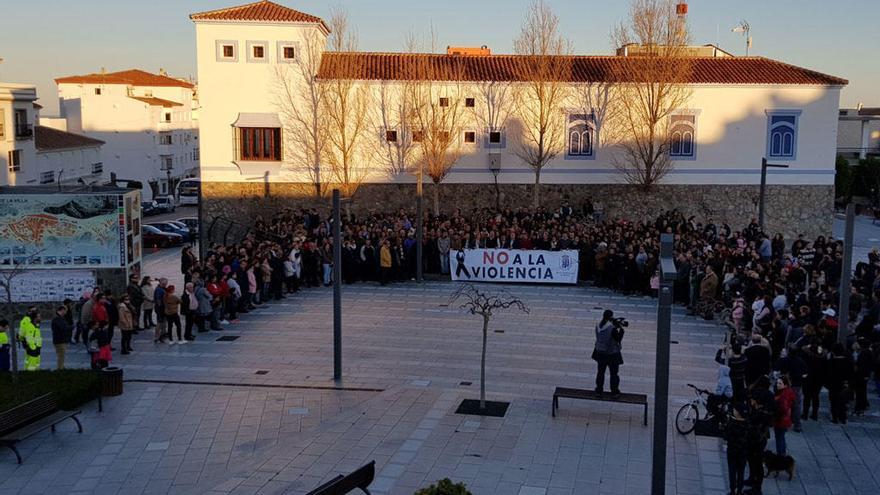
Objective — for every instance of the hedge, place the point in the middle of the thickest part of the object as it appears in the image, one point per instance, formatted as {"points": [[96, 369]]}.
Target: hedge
{"points": [[445, 487], [72, 388]]}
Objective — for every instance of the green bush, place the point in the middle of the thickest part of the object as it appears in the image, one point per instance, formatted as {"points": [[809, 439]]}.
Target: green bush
{"points": [[445, 487], [72, 388]]}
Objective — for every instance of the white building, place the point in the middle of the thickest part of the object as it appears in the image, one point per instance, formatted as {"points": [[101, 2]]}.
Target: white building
{"points": [[32, 154], [858, 133], [741, 110], [146, 120]]}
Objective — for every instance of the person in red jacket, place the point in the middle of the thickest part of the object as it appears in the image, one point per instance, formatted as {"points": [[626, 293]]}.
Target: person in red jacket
{"points": [[782, 420], [99, 310]]}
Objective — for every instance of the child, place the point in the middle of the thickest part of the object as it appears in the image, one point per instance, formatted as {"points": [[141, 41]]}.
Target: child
{"points": [[101, 355]]}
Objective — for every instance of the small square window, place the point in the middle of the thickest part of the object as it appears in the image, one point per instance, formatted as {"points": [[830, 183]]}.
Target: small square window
{"points": [[495, 137], [391, 136], [289, 53], [228, 51], [444, 102], [470, 102], [47, 177], [98, 91], [259, 51], [418, 136], [470, 137], [98, 168], [167, 117]]}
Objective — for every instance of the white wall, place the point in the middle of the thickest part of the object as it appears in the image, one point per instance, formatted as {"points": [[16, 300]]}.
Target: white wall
{"points": [[131, 128], [731, 126], [69, 165], [14, 97]]}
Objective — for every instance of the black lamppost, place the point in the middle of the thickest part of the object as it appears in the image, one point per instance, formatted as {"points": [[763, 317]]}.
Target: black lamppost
{"points": [[495, 168], [764, 167]]}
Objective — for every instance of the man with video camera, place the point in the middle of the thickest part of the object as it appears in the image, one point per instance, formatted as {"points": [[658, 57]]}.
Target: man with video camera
{"points": [[606, 353]]}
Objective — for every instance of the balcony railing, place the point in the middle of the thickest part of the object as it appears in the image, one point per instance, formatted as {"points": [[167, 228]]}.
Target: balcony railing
{"points": [[24, 131]]}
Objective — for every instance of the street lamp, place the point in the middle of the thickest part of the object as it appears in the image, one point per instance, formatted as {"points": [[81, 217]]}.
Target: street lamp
{"points": [[746, 30], [764, 167], [495, 168]]}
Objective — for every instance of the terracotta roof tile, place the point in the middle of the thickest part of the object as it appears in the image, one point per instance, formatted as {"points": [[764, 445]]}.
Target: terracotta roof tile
{"points": [[403, 66], [134, 77], [48, 139], [258, 11], [156, 102]]}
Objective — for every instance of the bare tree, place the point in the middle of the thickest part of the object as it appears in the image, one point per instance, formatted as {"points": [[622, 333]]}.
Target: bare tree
{"points": [[652, 85], [436, 98], [300, 98], [544, 75], [485, 304], [7, 278], [394, 118], [346, 105]]}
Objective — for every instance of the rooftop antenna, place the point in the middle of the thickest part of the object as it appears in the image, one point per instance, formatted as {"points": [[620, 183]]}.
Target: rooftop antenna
{"points": [[746, 30]]}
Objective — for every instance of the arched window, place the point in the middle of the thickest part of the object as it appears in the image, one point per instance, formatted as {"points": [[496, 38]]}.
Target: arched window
{"points": [[681, 136], [580, 136], [782, 139]]}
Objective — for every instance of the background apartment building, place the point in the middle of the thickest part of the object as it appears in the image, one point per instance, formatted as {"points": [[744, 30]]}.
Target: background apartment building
{"points": [[32, 154], [148, 122]]}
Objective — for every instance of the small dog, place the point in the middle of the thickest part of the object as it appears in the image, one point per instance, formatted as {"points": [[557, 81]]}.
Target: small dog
{"points": [[776, 463]]}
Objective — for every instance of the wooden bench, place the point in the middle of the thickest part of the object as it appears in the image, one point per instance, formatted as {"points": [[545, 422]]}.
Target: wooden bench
{"points": [[30, 418], [577, 393], [341, 485]]}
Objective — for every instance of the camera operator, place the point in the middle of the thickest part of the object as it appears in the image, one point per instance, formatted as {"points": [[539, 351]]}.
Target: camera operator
{"points": [[606, 353]]}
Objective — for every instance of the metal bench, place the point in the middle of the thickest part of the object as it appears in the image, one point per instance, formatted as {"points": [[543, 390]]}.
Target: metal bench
{"points": [[577, 393], [341, 485], [30, 418]]}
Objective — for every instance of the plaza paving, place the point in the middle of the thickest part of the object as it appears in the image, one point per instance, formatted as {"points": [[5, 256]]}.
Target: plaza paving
{"points": [[198, 418]]}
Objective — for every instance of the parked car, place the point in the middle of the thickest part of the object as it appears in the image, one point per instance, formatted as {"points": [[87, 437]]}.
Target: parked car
{"points": [[172, 228], [192, 223], [153, 237], [166, 204], [149, 208]]}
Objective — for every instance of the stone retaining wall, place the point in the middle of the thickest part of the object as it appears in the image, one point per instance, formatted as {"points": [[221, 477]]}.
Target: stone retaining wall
{"points": [[791, 210]]}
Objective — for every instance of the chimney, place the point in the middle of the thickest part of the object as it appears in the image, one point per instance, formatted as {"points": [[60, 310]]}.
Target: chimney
{"points": [[103, 70], [162, 72]]}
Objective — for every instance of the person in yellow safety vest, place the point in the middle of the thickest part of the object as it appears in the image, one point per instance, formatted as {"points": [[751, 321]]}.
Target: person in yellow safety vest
{"points": [[4, 346], [33, 340]]}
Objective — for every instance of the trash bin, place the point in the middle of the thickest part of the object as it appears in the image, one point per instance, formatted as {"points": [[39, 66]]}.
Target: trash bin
{"points": [[111, 382]]}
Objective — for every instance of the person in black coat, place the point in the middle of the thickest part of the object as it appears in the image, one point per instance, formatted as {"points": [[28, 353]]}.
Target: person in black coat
{"points": [[758, 359], [62, 332], [863, 367], [762, 409], [840, 375]]}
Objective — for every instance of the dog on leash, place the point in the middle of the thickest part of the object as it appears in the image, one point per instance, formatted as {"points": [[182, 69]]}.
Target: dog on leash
{"points": [[776, 463]]}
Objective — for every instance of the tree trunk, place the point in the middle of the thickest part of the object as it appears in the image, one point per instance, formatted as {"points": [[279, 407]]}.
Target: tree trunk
{"points": [[536, 200], [436, 199], [483, 364]]}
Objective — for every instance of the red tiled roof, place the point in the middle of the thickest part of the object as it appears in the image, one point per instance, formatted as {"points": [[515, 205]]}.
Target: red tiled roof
{"points": [[48, 139], [263, 10], [402, 66], [134, 77], [156, 102]]}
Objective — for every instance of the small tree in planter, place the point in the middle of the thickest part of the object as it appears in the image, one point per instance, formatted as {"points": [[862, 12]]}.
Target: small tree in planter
{"points": [[445, 487], [485, 304]]}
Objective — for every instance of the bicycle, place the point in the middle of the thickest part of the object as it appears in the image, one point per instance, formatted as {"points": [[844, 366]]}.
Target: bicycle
{"points": [[688, 415]]}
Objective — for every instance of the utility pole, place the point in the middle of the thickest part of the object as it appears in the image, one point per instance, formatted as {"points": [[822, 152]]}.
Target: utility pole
{"points": [[661, 370], [337, 287], [846, 275], [764, 167], [420, 234]]}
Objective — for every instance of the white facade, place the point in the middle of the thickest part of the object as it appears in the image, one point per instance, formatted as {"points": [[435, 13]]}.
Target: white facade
{"points": [[858, 133], [150, 131], [734, 125], [17, 149]]}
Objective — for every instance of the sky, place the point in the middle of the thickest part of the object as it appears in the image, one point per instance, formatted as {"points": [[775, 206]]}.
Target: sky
{"points": [[44, 39]]}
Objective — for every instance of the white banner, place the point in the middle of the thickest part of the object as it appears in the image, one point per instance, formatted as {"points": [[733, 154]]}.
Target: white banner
{"points": [[514, 265]]}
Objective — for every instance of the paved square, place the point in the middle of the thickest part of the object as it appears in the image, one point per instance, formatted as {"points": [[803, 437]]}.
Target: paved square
{"points": [[198, 419]]}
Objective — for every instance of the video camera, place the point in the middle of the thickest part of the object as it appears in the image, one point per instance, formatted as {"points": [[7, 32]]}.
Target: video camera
{"points": [[619, 322]]}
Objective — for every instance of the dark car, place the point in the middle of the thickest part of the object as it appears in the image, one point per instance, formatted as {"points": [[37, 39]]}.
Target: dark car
{"points": [[172, 228], [149, 208], [192, 223], [153, 237]]}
